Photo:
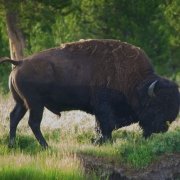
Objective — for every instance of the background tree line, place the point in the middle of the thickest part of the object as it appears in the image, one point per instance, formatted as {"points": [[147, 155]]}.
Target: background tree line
{"points": [[40, 24]]}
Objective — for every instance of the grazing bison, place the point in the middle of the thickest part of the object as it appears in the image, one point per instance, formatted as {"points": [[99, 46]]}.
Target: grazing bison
{"points": [[108, 78]]}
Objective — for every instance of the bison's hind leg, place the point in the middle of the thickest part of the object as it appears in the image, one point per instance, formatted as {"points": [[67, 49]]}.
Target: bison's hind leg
{"points": [[15, 116], [35, 118]]}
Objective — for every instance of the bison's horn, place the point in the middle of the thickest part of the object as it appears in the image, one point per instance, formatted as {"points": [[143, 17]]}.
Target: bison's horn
{"points": [[151, 89]]}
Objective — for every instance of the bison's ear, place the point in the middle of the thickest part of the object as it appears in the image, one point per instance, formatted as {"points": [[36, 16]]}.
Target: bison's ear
{"points": [[151, 88]]}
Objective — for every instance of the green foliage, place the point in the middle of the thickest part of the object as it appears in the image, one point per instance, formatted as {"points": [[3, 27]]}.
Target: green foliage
{"points": [[4, 74], [4, 68], [171, 11], [153, 25], [142, 23]]}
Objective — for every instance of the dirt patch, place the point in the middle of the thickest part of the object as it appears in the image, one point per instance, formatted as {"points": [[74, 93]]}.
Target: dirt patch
{"points": [[167, 167]]}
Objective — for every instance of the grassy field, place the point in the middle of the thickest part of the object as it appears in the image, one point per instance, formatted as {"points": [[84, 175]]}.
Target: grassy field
{"points": [[71, 139], [29, 161]]}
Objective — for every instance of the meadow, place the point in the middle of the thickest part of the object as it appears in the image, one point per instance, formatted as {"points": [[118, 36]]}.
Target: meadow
{"points": [[69, 139]]}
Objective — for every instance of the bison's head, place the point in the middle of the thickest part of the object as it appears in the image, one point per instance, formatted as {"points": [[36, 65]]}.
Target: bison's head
{"points": [[159, 105]]}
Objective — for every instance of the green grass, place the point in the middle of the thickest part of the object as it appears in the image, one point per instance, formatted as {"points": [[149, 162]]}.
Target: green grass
{"points": [[131, 149], [30, 172], [128, 149], [42, 166], [27, 160]]}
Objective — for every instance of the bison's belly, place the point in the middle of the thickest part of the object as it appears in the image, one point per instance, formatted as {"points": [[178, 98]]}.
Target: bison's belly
{"points": [[69, 98]]}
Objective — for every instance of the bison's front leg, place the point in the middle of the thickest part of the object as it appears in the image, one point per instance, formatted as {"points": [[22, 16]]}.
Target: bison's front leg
{"points": [[16, 115], [100, 138], [105, 135], [105, 123], [34, 122]]}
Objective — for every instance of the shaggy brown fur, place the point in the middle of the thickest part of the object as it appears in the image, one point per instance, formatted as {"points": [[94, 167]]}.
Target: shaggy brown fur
{"points": [[113, 61]]}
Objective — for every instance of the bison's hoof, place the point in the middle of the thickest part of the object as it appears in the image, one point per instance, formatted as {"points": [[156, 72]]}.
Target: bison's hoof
{"points": [[11, 144], [44, 146]]}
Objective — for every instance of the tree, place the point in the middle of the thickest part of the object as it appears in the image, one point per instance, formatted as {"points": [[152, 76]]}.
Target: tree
{"points": [[24, 18], [29, 27], [15, 34]]}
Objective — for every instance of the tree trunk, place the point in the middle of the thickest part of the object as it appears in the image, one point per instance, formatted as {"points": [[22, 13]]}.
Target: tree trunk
{"points": [[16, 38]]}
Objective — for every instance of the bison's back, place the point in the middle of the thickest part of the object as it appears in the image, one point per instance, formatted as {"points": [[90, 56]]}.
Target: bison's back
{"points": [[115, 64], [99, 60]]}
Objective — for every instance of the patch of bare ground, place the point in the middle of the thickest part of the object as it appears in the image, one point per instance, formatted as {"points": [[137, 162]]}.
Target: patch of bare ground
{"points": [[166, 167]]}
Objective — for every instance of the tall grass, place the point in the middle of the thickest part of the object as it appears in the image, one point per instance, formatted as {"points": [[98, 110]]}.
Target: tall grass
{"points": [[27, 160], [21, 166]]}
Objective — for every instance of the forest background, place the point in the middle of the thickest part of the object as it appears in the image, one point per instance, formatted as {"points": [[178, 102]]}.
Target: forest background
{"points": [[153, 25]]}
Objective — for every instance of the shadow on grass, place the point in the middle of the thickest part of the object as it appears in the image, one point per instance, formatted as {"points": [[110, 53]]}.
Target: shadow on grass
{"points": [[24, 143]]}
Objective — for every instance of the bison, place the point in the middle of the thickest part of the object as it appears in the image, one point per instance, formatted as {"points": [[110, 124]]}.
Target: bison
{"points": [[110, 79]]}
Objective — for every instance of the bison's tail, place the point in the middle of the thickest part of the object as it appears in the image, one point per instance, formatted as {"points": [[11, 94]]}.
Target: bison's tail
{"points": [[6, 59]]}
